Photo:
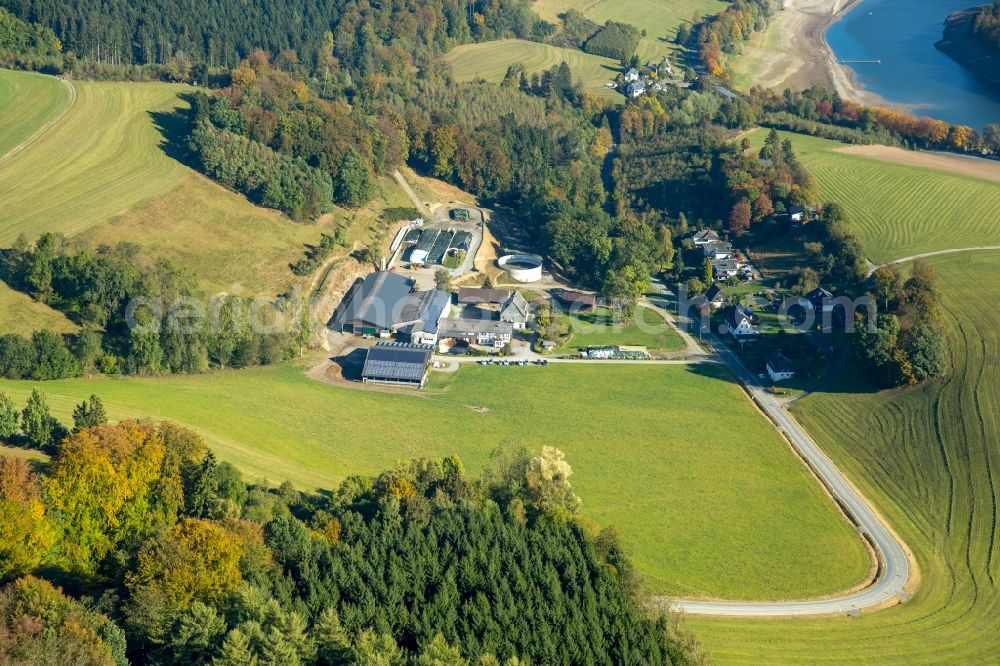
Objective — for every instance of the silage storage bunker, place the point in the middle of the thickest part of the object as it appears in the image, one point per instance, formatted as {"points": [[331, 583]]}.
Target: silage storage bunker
{"points": [[522, 267]]}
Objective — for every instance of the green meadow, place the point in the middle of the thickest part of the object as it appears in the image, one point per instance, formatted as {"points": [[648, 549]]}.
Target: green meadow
{"points": [[27, 102], [900, 210], [105, 172], [929, 459], [699, 485], [21, 314], [489, 61], [597, 328]]}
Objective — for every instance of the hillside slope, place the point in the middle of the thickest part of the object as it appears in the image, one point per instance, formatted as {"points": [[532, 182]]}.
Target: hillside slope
{"points": [[108, 172]]}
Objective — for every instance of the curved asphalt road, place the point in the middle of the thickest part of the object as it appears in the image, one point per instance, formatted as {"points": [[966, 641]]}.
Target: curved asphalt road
{"points": [[894, 567]]}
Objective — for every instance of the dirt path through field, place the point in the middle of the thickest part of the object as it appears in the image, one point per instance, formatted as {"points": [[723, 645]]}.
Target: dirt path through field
{"points": [[962, 165]]}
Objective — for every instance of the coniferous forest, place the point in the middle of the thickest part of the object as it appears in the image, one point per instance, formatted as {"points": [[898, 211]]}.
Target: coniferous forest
{"points": [[135, 545]]}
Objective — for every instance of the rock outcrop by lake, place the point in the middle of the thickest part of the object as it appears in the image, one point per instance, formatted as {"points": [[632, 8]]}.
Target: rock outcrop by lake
{"points": [[960, 44]]}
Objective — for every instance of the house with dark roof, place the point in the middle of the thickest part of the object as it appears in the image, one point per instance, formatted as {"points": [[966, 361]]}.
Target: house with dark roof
{"points": [[397, 363], [740, 323], [372, 304], [723, 269], [715, 296], [719, 250], [480, 296], [779, 367], [577, 301], [821, 300], [516, 311]]}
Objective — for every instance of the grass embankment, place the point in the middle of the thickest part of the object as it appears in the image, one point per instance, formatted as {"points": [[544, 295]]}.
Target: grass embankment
{"points": [[929, 459], [20, 314], [489, 61], [899, 210], [106, 172], [597, 329], [659, 18], [699, 485], [27, 102]]}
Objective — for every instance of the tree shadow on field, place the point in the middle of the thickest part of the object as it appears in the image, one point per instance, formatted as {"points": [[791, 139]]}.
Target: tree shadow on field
{"points": [[174, 127]]}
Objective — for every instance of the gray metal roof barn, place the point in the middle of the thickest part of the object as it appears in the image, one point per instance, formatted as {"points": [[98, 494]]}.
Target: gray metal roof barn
{"points": [[397, 363]]}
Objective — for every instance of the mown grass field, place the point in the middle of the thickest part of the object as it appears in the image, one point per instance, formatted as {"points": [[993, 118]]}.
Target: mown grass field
{"points": [[594, 329], [489, 61], [900, 210], [27, 102], [659, 18], [104, 172], [21, 314], [929, 458], [699, 484]]}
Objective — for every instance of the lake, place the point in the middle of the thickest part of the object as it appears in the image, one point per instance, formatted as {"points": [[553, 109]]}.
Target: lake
{"points": [[902, 33]]}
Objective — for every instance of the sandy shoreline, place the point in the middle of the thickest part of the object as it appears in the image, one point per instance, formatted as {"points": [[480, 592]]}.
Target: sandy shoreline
{"points": [[794, 52]]}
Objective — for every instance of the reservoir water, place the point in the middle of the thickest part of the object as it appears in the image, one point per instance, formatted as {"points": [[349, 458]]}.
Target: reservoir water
{"points": [[901, 34]]}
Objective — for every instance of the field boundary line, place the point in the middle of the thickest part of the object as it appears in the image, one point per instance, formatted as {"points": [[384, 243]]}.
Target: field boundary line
{"points": [[13, 152]]}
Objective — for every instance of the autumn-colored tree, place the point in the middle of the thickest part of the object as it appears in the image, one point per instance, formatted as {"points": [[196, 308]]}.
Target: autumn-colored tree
{"points": [[443, 144], [960, 136], [25, 533], [41, 625], [739, 216], [196, 560], [101, 487], [886, 283]]}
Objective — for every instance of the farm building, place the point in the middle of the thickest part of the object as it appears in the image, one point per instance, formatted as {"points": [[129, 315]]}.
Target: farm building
{"points": [[779, 367], [384, 303], [486, 332], [368, 307], [420, 316], [577, 301], [516, 311], [397, 363], [480, 296]]}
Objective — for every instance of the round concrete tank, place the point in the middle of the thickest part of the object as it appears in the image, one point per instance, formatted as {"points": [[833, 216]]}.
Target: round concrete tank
{"points": [[522, 267]]}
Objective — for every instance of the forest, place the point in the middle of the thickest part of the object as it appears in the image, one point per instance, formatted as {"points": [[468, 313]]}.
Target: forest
{"points": [[135, 545], [363, 36]]}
